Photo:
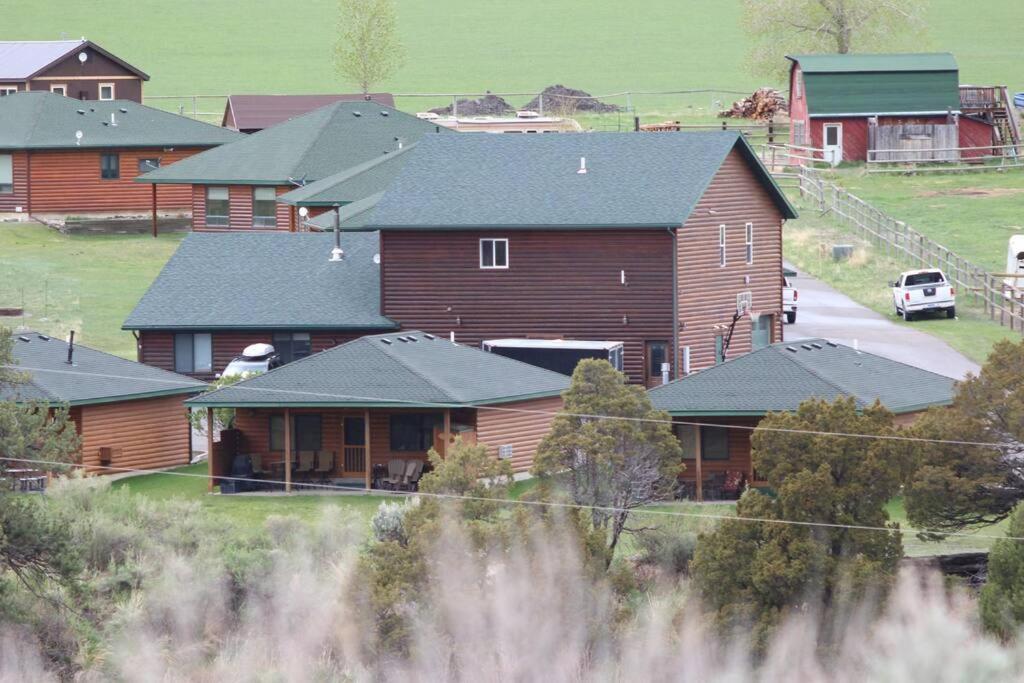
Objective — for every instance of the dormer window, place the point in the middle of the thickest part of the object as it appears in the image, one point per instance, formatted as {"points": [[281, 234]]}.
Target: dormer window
{"points": [[494, 253]]}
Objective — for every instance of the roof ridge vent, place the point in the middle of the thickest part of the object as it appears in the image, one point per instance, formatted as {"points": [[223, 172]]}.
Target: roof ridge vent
{"points": [[386, 341], [402, 339], [791, 349], [805, 347], [429, 336], [357, 114], [832, 344], [816, 345], [411, 338], [43, 337], [24, 338]]}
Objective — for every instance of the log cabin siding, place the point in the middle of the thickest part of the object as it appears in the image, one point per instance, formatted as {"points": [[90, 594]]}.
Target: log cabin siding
{"points": [[523, 431], [707, 291], [66, 181], [10, 201], [156, 347], [240, 208], [739, 448], [145, 433], [558, 284]]}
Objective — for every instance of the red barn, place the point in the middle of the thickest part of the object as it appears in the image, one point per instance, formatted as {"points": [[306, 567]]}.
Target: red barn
{"points": [[848, 105]]}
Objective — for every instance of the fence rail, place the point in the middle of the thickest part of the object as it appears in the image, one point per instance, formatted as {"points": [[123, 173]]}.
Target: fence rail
{"points": [[1003, 304]]}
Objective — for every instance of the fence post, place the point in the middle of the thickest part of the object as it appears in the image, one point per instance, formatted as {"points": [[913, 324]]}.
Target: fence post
{"points": [[540, 104]]}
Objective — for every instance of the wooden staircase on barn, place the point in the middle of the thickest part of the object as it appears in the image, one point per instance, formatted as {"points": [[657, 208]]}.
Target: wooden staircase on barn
{"points": [[993, 104]]}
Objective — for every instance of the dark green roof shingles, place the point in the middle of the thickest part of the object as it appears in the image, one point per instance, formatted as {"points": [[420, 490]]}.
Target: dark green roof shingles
{"points": [[777, 379], [40, 120], [351, 184], [476, 180], [371, 372], [265, 281], [304, 149], [95, 376]]}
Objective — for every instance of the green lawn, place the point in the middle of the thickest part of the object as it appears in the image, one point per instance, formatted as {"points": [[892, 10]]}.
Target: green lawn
{"points": [[807, 244], [973, 214], [216, 47], [84, 283]]}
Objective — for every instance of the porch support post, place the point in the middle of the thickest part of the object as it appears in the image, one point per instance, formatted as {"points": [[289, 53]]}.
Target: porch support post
{"points": [[750, 479], [447, 430], [697, 465], [154, 209], [287, 450], [368, 460], [209, 448]]}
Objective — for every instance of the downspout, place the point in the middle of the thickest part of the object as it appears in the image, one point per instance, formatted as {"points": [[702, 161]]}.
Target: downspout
{"points": [[675, 302]]}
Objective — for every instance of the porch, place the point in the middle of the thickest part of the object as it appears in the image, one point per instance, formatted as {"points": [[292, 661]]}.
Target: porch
{"points": [[716, 452], [288, 449]]}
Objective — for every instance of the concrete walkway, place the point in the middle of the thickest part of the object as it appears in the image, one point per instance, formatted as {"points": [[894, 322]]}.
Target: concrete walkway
{"points": [[824, 312]]}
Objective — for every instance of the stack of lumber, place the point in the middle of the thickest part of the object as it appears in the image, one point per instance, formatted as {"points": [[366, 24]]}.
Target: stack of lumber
{"points": [[763, 104]]}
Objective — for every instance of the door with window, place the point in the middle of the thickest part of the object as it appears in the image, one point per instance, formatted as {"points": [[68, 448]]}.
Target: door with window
{"points": [[353, 449], [656, 354], [761, 331], [832, 136]]}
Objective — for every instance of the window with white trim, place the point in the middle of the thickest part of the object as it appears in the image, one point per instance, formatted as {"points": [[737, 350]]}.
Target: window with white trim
{"points": [[59, 89], [750, 243], [6, 174], [721, 246], [8, 90], [494, 253], [264, 207], [106, 91], [217, 207], [193, 353]]}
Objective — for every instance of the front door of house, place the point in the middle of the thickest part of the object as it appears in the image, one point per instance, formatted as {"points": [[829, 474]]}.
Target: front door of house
{"points": [[833, 143], [353, 451]]}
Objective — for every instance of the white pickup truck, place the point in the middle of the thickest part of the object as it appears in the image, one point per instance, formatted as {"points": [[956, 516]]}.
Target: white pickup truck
{"points": [[923, 291], [789, 295]]}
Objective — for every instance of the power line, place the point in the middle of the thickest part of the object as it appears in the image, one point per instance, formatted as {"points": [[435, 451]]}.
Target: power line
{"points": [[585, 416], [516, 501]]}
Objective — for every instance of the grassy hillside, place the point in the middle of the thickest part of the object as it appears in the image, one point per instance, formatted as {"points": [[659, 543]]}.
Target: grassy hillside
{"points": [[216, 46]]}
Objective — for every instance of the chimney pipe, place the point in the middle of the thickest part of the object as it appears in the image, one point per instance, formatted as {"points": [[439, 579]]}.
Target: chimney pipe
{"points": [[71, 347], [337, 254], [665, 370]]}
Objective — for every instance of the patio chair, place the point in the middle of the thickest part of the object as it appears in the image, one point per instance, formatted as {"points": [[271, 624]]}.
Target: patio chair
{"points": [[305, 463], [324, 465], [411, 478], [713, 486], [257, 465], [732, 487], [396, 470]]}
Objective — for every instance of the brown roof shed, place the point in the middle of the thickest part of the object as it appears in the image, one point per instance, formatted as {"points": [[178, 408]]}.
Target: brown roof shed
{"points": [[252, 113]]}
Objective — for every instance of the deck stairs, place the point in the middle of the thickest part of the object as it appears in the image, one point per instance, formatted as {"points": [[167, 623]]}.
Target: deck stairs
{"points": [[993, 103]]}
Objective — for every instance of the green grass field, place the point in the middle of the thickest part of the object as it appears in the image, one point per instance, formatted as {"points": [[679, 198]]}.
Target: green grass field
{"points": [[84, 283], [217, 47]]}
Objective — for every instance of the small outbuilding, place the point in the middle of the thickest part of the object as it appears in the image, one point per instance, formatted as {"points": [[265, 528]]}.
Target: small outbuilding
{"points": [[253, 113], [858, 107], [79, 69], [342, 414], [128, 415], [716, 410]]}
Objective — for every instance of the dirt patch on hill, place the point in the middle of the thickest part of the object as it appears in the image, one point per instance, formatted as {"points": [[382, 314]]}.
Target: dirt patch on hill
{"points": [[974, 192], [560, 99], [488, 105]]}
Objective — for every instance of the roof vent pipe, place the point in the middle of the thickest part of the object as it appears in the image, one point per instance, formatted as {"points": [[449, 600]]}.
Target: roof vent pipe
{"points": [[337, 254], [71, 348], [583, 166], [113, 121]]}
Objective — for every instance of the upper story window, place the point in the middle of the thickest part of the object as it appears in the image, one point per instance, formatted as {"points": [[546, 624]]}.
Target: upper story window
{"points": [[291, 345], [59, 89], [6, 174], [147, 165], [110, 166], [750, 242], [217, 207], [193, 353], [264, 207], [8, 90], [721, 246], [494, 253], [106, 91]]}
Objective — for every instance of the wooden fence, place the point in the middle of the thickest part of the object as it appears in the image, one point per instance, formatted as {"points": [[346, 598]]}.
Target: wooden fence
{"points": [[1002, 303]]}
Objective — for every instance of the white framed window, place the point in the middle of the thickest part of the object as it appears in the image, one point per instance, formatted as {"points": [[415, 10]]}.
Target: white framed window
{"points": [[59, 89], [193, 353], [218, 207], [494, 253], [106, 91], [750, 242], [8, 90], [721, 246], [6, 174], [264, 207]]}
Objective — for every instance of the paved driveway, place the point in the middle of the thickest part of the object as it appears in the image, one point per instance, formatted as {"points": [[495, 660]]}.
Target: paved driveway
{"points": [[824, 312]]}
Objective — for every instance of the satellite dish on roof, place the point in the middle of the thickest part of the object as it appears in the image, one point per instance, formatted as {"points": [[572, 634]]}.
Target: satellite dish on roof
{"points": [[303, 211], [376, 259], [83, 56]]}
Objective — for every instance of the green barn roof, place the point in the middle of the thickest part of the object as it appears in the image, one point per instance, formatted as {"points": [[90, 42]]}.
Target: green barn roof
{"points": [[304, 149], [782, 376], [93, 377], [406, 369], [880, 84], [477, 180], [42, 120], [223, 281]]}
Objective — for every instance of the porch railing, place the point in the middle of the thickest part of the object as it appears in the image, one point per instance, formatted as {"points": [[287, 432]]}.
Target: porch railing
{"points": [[354, 458]]}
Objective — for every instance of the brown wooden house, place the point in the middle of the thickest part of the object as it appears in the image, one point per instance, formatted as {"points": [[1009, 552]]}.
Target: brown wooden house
{"points": [[128, 415], [60, 156], [236, 187], [253, 113], [717, 409], [337, 415], [78, 69], [640, 238]]}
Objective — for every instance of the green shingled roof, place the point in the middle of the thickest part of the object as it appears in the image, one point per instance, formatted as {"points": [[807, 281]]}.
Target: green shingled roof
{"points": [[351, 184], [412, 369], [94, 377], [41, 120], [353, 216], [879, 84], [476, 180], [220, 281], [782, 376], [304, 149]]}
